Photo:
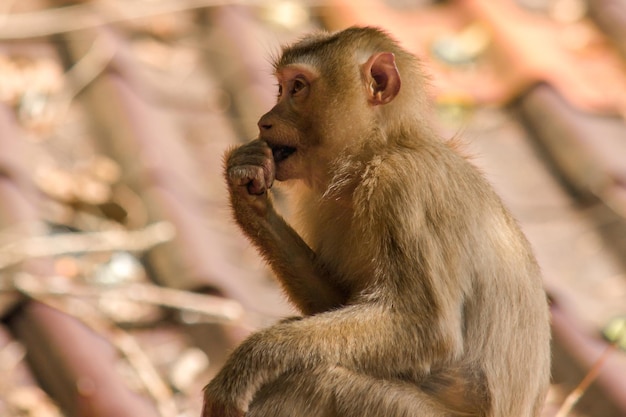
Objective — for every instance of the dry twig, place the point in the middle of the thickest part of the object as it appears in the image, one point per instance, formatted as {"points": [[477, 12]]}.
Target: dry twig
{"points": [[215, 308], [94, 14], [124, 342], [579, 391], [107, 241]]}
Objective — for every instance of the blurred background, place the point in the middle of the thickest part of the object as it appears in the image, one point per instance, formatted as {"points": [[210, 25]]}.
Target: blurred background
{"points": [[124, 283]]}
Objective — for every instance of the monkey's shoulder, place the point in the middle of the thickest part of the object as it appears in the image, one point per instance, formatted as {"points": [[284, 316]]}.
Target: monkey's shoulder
{"points": [[431, 172]]}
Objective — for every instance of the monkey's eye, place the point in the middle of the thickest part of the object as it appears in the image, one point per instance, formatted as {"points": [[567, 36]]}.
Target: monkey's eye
{"points": [[297, 86], [280, 90]]}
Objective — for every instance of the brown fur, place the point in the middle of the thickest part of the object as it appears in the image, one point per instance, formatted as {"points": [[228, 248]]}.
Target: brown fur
{"points": [[420, 295]]}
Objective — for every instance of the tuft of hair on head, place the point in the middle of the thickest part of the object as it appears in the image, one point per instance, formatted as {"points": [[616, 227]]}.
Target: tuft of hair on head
{"points": [[339, 57]]}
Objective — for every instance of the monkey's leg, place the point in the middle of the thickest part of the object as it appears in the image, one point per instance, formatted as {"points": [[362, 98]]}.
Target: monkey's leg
{"points": [[366, 338], [339, 392], [293, 394]]}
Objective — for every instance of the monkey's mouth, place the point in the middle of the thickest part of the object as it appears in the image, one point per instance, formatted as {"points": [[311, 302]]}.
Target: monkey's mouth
{"points": [[281, 152]]}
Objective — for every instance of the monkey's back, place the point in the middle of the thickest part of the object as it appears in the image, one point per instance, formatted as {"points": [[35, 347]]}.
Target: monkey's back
{"points": [[506, 313], [504, 307], [429, 208]]}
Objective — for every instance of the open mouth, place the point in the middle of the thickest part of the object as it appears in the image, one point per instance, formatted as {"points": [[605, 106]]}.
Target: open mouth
{"points": [[280, 152]]}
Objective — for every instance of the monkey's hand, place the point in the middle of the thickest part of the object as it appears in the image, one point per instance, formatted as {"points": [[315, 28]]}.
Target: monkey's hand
{"points": [[249, 171]]}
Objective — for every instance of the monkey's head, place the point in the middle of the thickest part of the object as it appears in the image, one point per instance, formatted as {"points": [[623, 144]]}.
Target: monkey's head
{"points": [[339, 93]]}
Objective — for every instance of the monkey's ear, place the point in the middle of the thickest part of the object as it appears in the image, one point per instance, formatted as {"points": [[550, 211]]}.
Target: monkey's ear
{"points": [[382, 77]]}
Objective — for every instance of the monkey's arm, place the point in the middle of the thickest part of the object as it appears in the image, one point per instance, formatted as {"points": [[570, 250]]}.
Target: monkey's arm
{"points": [[249, 171], [294, 263]]}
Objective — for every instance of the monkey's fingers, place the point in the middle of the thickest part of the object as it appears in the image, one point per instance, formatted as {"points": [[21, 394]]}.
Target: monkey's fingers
{"points": [[246, 161], [256, 152], [252, 177]]}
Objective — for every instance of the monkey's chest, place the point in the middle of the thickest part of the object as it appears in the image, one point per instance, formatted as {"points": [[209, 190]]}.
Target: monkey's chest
{"points": [[344, 253]]}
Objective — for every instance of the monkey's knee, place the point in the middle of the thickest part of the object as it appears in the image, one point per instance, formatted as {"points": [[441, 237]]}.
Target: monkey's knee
{"points": [[300, 394], [359, 395]]}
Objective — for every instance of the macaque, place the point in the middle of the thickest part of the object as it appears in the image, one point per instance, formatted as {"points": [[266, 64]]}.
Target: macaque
{"points": [[419, 294]]}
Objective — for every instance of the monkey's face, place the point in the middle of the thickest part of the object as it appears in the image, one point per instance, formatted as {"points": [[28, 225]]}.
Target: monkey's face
{"points": [[307, 126], [287, 127]]}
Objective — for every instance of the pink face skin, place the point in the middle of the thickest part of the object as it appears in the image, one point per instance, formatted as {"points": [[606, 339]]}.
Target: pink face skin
{"points": [[282, 126], [307, 128]]}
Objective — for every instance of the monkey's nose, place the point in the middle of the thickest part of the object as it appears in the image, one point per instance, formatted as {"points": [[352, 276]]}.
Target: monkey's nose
{"points": [[264, 123]]}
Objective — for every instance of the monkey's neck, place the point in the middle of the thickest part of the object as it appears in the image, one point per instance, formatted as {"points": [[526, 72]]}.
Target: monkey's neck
{"points": [[348, 168]]}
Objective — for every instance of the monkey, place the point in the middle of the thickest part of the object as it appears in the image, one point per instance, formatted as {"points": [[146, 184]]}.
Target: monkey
{"points": [[419, 293]]}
